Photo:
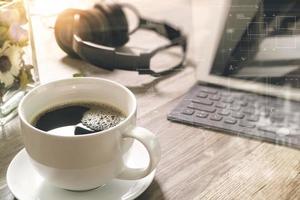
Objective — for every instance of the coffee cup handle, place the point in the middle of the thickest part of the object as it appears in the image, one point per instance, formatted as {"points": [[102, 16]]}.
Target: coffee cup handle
{"points": [[149, 140]]}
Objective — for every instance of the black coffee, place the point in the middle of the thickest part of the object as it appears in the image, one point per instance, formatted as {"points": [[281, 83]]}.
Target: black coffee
{"points": [[78, 119]]}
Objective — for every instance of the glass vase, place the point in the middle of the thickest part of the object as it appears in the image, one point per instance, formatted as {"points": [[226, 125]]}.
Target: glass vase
{"points": [[18, 66]]}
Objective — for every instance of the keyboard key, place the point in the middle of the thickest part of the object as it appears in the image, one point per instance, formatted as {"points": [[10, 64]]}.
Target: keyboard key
{"points": [[280, 124], [203, 101], [253, 118], [220, 105], [202, 114], [215, 98], [249, 111], [283, 131], [237, 115], [224, 112], [215, 117], [230, 121], [188, 111], [269, 129], [278, 116], [225, 94], [209, 90], [252, 98], [235, 107], [241, 98], [266, 111], [202, 95], [241, 103], [295, 132], [228, 100], [293, 119], [246, 124], [202, 107]]}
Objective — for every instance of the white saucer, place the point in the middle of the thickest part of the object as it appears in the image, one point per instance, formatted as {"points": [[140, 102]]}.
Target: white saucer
{"points": [[26, 184]]}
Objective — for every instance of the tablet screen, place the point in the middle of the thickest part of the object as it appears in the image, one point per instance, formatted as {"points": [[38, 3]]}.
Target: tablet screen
{"points": [[261, 42]]}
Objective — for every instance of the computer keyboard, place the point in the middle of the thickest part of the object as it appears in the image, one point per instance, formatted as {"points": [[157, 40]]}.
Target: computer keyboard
{"points": [[256, 116]]}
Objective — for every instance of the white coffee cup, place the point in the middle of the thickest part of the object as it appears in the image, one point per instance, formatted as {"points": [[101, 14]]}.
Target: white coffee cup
{"points": [[83, 162]]}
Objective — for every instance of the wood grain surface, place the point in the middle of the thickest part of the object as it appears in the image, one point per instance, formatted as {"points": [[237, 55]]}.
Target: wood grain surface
{"points": [[196, 163]]}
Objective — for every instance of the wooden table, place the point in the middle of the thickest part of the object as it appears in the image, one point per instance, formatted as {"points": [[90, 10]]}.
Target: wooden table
{"points": [[196, 163]]}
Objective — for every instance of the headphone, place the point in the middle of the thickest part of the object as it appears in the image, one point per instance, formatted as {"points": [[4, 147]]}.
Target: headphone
{"points": [[95, 35]]}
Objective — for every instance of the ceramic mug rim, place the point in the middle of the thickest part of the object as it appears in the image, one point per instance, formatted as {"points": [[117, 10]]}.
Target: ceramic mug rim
{"points": [[128, 117]]}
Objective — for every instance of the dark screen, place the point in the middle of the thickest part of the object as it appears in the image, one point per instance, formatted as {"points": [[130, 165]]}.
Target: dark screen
{"points": [[261, 42]]}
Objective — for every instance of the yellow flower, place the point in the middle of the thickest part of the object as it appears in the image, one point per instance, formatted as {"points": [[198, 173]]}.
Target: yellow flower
{"points": [[10, 63]]}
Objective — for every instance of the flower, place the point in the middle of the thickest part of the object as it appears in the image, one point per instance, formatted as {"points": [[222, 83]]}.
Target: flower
{"points": [[17, 34], [9, 16], [10, 63], [12, 14]]}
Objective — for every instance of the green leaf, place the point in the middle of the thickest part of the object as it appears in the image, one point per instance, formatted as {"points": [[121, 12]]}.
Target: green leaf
{"points": [[80, 74], [3, 35], [25, 76]]}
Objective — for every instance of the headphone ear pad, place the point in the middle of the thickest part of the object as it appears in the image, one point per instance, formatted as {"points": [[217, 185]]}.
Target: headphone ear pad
{"points": [[99, 26], [64, 30], [118, 24]]}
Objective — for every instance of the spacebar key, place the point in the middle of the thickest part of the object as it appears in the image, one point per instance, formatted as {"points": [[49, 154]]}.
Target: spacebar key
{"points": [[269, 129], [201, 107]]}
